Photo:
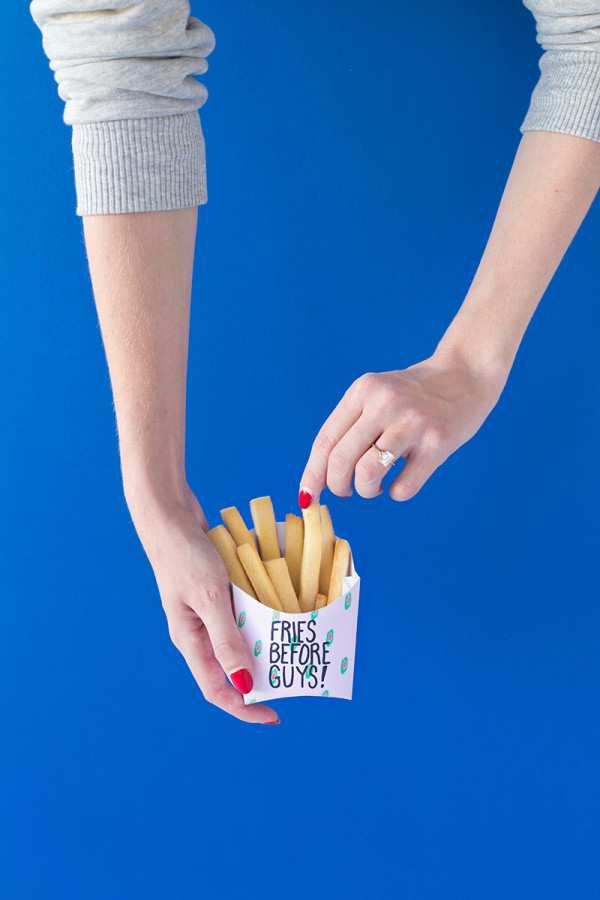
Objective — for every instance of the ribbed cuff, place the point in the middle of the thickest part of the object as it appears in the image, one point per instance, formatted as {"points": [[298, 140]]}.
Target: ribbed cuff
{"points": [[567, 95], [139, 165]]}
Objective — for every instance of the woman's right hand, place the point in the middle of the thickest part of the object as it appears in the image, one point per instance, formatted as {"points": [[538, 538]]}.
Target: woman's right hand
{"points": [[196, 597]]}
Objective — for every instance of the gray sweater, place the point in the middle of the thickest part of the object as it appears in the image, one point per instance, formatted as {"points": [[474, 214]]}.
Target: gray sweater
{"points": [[126, 73]]}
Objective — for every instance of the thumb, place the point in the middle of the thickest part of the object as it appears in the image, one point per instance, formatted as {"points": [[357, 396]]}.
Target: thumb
{"points": [[227, 642]]}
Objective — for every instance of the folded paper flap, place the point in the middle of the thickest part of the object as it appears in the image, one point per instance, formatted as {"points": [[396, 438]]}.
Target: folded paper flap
{"points": [[350, 583]]}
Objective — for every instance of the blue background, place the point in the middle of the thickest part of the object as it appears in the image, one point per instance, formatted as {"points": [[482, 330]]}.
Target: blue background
{"points": [[356, 153]]}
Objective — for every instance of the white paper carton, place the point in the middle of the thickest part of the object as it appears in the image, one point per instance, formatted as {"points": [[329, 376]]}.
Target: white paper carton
{"points": [[300, 654]]}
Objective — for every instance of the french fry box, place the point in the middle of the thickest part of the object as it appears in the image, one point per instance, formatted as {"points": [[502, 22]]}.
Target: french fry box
{"points": [[300, 654]]}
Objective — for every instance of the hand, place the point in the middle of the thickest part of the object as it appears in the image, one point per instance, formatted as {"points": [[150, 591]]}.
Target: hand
{"points": [[423, 414], [196, 597]]}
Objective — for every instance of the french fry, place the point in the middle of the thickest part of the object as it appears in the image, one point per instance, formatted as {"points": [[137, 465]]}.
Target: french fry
{"points": [[256, 572], [261, 509], [279, 574], [307, 577], [225, 544], [294, 538], [327, 553], [311, 557], [237, 527], [341, 562]]}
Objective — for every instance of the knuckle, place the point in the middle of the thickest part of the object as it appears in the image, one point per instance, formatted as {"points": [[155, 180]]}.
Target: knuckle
{"points": [[368, 472], [223, 648], [366, 383], [339, 460], [176, 636], [323, 443], [365, 492], [387, 397], [415, 420], [404, 491], [207, 600], [211, 695], [434, 440], [218, 697], [193, 641]]}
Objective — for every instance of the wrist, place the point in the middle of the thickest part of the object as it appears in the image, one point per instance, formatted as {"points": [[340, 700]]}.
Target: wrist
{"points": [[465, 354], [160, 522], [154, 478], [480, 365], [479, 340]]}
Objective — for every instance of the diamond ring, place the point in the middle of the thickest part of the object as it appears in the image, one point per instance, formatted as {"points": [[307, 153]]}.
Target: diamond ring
{"points": [[386, 457]]}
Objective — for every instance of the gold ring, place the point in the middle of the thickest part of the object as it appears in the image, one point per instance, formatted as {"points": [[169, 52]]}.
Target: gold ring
{"points": [[386, 457]]}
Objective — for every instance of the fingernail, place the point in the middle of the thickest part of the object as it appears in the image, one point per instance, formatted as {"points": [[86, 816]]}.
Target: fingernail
{"points": [[305, 499], [242, 680], [276, 722]]}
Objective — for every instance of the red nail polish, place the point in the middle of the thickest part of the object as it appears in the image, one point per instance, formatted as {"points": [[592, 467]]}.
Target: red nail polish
{"points": [[242, 680], [305, 499], [276, 722]]}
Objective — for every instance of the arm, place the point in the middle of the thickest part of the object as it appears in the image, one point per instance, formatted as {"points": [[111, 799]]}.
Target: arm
{"points": [[551, 186], [424, 413], [141, 268], [125, 74]]}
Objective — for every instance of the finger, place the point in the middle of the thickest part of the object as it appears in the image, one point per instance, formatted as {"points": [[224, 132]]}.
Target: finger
{"points": [[346, 453], [341, 419], [418, 468], [370, 470], [214, 608], [196, 647]]}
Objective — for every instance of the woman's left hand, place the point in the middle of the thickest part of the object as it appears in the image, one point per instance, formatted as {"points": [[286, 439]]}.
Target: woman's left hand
{"points": [[423, 414]]}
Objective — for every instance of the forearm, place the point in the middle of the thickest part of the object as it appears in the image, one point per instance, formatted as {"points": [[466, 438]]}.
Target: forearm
{"points": [[141, 269], [551, 186]]}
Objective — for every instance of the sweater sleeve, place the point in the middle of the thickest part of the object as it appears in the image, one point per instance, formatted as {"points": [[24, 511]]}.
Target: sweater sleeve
{"points": [[567, 95], [124, 70]]}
